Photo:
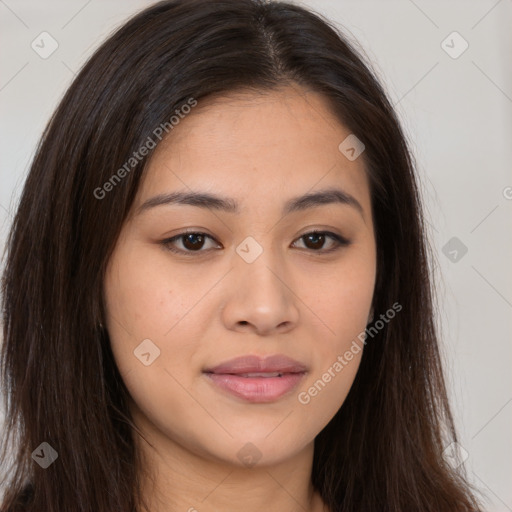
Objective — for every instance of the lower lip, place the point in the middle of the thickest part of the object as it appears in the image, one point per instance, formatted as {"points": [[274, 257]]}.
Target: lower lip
{"points": [[257, 389]]}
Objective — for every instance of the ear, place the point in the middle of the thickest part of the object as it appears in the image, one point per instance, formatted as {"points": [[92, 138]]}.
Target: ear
{"points": [[370, 317]]}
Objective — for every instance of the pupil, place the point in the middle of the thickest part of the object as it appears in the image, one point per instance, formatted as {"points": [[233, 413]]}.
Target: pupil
{"points": [[319, 240], [193, 245]]}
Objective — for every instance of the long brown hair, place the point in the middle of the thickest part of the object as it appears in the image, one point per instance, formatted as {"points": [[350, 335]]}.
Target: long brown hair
{"points": [[383, 450]]}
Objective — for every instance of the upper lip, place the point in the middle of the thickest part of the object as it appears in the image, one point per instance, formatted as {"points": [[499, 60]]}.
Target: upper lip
{"points": [[257, 364]]}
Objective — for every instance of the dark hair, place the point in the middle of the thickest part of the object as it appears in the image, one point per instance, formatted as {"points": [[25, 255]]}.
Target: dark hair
{"points": [[383, 450]]}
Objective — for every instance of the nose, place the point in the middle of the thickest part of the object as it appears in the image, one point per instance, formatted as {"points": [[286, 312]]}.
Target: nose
{"points": [[260, 297]]}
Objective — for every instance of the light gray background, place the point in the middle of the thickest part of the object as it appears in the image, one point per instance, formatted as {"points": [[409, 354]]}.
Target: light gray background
{"points": [[457, 114]]}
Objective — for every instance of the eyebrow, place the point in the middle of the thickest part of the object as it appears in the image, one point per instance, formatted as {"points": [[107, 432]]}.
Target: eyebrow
{"points": [[227, 204]]}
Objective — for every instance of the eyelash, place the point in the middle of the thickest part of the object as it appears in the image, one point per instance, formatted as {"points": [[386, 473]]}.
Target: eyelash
{"points": [[340, 242]]}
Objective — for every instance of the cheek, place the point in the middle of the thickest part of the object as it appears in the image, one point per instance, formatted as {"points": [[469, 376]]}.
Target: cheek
{"points": [[341, 302], [148, 312], [324, 393], [337, 354], [144, 302], [339, 299], [143, 294]]}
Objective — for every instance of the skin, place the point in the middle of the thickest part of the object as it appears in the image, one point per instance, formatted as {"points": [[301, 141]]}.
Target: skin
{"points": [[204, 309]]}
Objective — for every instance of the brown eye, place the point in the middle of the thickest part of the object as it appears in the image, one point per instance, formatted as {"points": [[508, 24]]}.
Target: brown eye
{"points": [[191, 242], [315, 241]]}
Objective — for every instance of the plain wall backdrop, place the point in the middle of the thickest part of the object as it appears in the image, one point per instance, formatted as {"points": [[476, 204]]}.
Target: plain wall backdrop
{"points": [[453, 93]]}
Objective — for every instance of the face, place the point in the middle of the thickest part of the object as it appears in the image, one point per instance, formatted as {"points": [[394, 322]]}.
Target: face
{"points": [[192, 286]]}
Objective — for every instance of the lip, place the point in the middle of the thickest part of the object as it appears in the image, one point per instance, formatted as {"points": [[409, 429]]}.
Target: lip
{"points": [[255, 364], [229, 376]]}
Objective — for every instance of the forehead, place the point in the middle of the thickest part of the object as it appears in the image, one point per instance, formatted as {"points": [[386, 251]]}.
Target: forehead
{"points": [[256, 146]]}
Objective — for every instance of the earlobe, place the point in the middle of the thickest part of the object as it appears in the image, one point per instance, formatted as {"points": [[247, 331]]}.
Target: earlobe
{"points": [[370, 317]]}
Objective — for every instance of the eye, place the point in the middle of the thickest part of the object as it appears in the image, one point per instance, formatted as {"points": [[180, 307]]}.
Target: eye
{"points": [[191, 241], [314, 239], [195, 241]]}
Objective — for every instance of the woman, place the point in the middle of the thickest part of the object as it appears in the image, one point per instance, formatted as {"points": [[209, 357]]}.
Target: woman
{"points": [[217, 290]]}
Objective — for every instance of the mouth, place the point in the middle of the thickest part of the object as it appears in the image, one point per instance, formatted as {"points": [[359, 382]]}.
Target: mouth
{"points": [[252, 364], [255, 379], [256, 387], [256, 375]]}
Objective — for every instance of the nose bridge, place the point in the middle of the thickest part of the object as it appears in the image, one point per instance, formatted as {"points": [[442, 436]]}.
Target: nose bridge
{"points": [[262, 293], [258, 269]]}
